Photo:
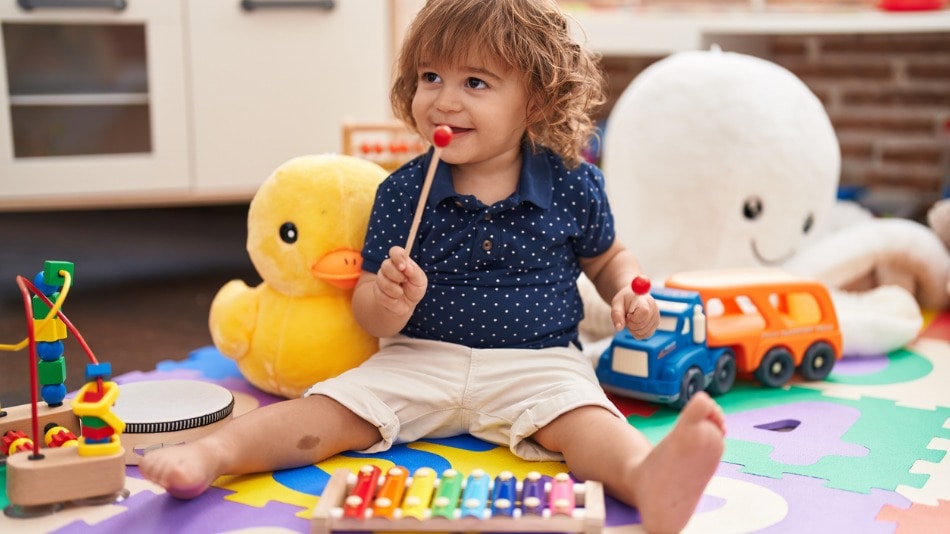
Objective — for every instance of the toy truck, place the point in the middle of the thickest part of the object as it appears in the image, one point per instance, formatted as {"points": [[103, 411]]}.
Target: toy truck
{"points": [[717, 325]]}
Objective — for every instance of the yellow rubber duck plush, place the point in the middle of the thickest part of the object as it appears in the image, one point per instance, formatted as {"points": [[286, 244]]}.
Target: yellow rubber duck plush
{"points": [[305, 229]]}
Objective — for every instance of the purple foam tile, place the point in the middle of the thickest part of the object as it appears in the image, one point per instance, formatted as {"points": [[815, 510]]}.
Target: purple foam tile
{"points": [[619, 514], [816, 430], [813, 507], [208, 360], [210, 512], [239, 385], [857, 366], [138, 376]]}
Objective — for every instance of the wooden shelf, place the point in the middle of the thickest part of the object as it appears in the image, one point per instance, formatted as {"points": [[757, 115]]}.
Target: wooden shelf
{"points": [[631, 32]]}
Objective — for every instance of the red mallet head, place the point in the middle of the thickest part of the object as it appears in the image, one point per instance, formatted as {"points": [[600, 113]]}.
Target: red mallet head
{"points": [[442, 136], [640, 285]]}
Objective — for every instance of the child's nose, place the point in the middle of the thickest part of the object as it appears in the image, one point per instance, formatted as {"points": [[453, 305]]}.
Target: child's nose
{"points": [[448, 100]]}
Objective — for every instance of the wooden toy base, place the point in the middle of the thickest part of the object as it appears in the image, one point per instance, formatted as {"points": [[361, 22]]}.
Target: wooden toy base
{"points": [[63, 476], [328, 515]]}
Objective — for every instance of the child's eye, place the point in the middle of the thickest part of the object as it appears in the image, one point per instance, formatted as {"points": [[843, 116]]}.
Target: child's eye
{"points": [[475, 83], [430, 77]]}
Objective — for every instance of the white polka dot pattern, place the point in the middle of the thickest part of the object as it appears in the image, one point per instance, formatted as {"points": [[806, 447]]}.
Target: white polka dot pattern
{"points": [[502, 275]]}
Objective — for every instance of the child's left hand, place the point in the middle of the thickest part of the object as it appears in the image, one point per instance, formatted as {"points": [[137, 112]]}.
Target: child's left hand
{"points": [[639, 313]]}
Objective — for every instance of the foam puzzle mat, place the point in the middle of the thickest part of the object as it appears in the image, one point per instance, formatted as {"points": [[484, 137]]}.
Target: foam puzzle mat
{"points": [[864, 451]]}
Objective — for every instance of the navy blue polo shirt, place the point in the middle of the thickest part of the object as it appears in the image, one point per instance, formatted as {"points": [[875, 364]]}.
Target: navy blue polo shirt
{"points": [[503, 275]]}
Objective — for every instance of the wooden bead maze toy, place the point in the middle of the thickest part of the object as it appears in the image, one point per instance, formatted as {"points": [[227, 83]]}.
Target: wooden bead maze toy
{"points": [[83, 459], [370, 500]]}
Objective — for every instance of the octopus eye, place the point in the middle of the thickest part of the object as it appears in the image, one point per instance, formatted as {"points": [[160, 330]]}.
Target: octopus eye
{"points": [[809, 223], [752, 209]]}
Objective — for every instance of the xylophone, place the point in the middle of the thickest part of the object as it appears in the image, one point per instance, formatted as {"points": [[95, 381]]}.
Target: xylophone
{"points": [[371, 500]]}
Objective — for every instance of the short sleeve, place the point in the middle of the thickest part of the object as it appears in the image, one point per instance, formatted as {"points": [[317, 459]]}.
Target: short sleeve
{"points": [[594, 214]]}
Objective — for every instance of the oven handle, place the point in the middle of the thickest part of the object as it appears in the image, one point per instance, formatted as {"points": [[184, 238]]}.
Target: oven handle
{"points": [[116, 5], [251, 5]]}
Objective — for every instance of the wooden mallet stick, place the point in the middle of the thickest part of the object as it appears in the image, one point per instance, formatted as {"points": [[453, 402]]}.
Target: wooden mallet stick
{"points": [[440, 139]]}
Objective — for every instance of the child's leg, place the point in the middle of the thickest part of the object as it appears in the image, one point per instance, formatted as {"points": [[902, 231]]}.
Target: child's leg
{"points": [[665, 482], [287, 434]]}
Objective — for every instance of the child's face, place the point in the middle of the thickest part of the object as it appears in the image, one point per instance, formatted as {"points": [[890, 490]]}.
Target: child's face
{"points": [[484, 103]]}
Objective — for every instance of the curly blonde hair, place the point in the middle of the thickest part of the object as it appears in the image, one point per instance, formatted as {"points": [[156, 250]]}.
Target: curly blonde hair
{"points": [[564, 82]]}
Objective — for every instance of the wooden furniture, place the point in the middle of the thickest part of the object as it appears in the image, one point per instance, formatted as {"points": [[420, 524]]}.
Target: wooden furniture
{"points": [[106, 103]]}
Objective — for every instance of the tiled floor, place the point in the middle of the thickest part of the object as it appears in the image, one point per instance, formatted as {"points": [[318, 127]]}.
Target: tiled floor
{"points": [[144, 280]]}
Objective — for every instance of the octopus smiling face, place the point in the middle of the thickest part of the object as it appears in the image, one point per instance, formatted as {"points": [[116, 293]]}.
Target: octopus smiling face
{"points": [[716, 160], [773, 252]]}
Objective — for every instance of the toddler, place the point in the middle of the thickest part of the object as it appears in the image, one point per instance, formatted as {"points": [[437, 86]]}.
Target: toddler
{"points": [[478, 327]]}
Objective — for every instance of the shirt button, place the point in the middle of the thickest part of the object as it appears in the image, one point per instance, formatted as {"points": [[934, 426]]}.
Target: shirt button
{"points": [[486, 245], [488, 216]]}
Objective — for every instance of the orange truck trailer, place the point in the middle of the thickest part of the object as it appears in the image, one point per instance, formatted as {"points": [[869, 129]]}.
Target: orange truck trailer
{"points": [[715, 325]]}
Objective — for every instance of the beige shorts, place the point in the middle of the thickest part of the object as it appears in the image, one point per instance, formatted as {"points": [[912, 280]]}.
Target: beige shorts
{"points": [[415, 388]]}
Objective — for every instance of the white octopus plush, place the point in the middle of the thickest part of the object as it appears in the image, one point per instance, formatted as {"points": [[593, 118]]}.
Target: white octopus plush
{"points": [[717, 160]]}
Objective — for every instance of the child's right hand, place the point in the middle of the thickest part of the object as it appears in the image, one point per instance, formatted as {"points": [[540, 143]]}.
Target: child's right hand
{"points": [[400, 282]]}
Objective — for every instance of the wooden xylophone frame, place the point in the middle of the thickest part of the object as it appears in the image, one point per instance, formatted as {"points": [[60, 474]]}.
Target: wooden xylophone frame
{"points": [[328, 517]]}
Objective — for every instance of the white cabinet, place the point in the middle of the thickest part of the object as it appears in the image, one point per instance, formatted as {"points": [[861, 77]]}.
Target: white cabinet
{"points": [[93, 101], [276, 82], [175, 101]]}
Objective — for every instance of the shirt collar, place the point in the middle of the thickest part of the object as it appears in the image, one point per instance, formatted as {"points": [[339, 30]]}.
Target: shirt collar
{"points": [[535, 183]]}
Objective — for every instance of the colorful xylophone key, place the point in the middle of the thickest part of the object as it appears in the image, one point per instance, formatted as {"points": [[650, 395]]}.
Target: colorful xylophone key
{"points": [[447, 497], [390, 493], [362, 493], [561, 497], [504, 495], [475, 494], [419, 494], [532, 494]]}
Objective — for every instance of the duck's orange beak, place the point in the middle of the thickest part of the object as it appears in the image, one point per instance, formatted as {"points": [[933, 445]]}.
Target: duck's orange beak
{"points": [[340, 268]]}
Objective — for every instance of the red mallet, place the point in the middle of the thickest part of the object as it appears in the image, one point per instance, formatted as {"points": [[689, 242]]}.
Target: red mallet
{"points": [[441, 138], [640, 285]]}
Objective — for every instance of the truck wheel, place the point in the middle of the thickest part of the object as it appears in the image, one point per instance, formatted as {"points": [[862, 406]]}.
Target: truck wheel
{"points": [[817, 362], [776, 367], [724, 375], [691, 384]]}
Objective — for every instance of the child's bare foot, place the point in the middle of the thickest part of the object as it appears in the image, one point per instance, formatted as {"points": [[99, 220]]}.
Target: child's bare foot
{"points": [[185, 471], [676, 472]]}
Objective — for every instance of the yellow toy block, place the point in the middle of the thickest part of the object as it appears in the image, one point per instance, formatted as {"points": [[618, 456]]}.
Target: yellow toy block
{"points": [[101, 408], [54, 330]]}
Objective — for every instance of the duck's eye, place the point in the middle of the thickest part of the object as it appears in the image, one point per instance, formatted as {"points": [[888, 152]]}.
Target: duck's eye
{"points": [[288, 233], [809, 223], [752, 208]]}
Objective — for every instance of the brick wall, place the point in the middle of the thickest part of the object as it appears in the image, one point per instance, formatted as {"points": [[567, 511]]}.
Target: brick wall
{"points": [[888, 97]]}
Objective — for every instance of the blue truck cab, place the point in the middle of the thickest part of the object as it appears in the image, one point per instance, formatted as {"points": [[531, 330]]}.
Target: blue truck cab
{"points": [[673, 364]]}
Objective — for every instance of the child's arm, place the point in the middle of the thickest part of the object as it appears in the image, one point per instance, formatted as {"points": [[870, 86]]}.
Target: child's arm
{"points": [[383, 302], [611, 273]]}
